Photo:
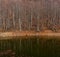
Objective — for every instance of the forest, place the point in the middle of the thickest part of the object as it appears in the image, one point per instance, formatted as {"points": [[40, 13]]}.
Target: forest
{"points": [[29, 15]]}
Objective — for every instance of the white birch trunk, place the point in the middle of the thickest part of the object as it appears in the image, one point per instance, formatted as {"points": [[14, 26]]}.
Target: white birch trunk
{"points": [[13, 20], [19, 20], [38, 23], [31, 18], [20, 24], [3, 24]]}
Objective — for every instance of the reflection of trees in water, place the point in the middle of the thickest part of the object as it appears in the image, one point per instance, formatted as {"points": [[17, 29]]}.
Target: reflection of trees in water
{"points": [[30, 47]]}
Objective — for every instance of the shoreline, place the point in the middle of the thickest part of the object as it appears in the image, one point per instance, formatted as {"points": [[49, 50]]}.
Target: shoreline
{"points": [[16, 35], [8, 34]]}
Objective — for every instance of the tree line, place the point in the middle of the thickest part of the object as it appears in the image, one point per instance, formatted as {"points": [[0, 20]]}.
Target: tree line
{"points": [[34, 15]]}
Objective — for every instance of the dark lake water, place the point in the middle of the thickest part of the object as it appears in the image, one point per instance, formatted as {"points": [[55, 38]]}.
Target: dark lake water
{"points": [[30, 47]]}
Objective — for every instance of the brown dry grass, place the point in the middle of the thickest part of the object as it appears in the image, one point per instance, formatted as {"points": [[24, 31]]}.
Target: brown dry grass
{"points": [[29, 33]]}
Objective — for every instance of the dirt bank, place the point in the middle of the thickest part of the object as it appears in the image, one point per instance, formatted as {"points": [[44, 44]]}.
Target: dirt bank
{"points": [[26, 33]]}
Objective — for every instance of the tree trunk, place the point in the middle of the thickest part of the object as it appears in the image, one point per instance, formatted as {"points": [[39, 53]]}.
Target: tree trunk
{"points": [[13, 20], [38, 23]]}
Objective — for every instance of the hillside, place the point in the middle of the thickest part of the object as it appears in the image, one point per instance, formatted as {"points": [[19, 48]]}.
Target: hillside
{"points": [[29, 15]]}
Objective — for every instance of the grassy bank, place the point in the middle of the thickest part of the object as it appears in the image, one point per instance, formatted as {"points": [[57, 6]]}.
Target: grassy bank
{"points": [[33, 46]]}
